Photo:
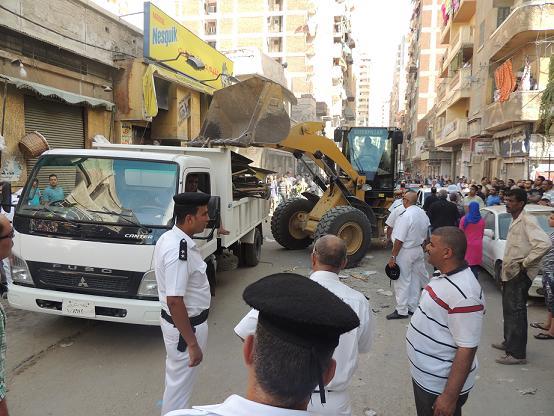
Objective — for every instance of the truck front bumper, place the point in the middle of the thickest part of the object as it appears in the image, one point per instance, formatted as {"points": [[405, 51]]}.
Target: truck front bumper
{"points": [[132, 311]]}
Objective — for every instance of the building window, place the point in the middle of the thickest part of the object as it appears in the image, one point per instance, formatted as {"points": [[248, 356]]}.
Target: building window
{"points": [[212, 44], [275, 45], [503, 13], [210, 6], [275, 24], [210, 27], [275, 5], [482, 33]]}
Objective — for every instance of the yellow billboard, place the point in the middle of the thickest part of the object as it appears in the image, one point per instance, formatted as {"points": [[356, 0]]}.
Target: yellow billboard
{"points": [[167, 42]]}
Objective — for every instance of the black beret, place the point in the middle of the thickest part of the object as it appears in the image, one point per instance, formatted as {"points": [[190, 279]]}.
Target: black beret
{"points": [[299, 310], [192, 199], [393, 272]]}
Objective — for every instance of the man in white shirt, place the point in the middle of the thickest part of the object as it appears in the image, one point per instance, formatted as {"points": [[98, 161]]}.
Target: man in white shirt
{"points": [[395, 210], [445, 331], [409, 233], [298, 329], [184, 294], [328, 258]]}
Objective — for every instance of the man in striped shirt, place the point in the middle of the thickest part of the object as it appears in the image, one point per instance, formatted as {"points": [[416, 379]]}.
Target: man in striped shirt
{"points": [[445, 330]]}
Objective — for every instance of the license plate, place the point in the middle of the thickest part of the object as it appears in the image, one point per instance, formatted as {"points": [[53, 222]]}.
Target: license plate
{"points": [[76, 308]]}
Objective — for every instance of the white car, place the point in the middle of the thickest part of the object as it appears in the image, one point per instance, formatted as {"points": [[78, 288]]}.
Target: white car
{"points": [[497, 222]]}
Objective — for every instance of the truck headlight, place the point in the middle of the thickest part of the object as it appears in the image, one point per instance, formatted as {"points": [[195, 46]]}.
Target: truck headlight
{"points": [[148, 285], [20, 271]]}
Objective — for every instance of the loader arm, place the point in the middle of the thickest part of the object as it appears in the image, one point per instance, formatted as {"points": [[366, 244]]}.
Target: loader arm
{"points": [[304, 137]]}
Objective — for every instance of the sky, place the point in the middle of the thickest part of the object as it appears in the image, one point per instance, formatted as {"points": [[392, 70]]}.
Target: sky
{"points": [[379, 27]]}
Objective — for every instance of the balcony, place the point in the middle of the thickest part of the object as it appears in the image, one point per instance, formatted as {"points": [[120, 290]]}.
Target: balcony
{"points": [[465, 11], [527, 22], [451, 90], [337, 50], [522, 107], [441, 89], [445, 33], [462, 40], [453, 133]]}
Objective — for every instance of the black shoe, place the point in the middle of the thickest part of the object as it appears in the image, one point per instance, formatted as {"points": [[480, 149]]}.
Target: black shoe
{"points": [[410, 313], [396, 315]]}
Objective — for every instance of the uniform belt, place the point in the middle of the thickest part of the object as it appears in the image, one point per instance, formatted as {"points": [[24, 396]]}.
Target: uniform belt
{"points": [[327, 391], [194, 321]]}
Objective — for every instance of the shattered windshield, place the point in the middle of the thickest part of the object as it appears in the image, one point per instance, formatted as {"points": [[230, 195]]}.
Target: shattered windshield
{"points": [[82, 189], [370, 152]]}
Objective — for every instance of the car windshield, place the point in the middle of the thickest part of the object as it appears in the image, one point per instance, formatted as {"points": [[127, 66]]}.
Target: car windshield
{"points": [[101, 190], [505, 219], [370, 152]]}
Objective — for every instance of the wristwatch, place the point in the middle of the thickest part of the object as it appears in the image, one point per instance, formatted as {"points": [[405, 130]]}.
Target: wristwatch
{"points": [[393, 257]]}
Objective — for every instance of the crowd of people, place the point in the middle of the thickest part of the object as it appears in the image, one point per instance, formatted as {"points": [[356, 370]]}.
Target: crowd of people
{"points": [[287, 186]]}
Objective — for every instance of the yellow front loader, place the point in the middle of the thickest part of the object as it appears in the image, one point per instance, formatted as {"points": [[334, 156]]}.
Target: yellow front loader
{"points": [[254, 113]]}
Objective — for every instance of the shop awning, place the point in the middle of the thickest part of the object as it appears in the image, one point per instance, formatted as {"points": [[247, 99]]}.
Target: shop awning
{"points": [[47, 91], [149, 91]]}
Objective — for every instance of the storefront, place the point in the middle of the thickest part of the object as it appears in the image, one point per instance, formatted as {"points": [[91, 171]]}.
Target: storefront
{"points": [[162, 98]]}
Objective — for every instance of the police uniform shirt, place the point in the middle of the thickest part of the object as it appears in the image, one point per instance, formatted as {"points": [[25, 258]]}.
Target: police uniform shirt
{"points": [[393, 216], [177, 277], [239, 406], [411, 227], [352, 343]]}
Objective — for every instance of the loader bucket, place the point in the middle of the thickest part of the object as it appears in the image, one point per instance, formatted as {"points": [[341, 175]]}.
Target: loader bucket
{"points": [[248, 113]]}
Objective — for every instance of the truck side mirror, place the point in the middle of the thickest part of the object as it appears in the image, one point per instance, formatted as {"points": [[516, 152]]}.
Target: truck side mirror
{"points": [[214, 211], [6, 202], [397, 137], [339, 134]]}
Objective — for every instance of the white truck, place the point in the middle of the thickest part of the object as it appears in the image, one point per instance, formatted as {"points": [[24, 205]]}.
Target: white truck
{"points": [[89, 253]]}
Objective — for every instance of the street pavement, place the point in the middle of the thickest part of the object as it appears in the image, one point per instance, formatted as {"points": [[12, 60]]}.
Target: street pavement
{"points": [[66, 366]]}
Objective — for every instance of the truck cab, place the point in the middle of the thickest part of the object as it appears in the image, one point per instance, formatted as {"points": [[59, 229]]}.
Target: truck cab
{"points": [[85, 246]]}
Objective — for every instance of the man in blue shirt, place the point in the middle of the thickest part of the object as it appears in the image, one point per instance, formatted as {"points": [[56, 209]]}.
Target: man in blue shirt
{"points": [[52, 192], [493, 198]]}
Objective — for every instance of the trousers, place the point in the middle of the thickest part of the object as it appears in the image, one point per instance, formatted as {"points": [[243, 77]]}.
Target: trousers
{"points": [[413, 275], [424, 401], [179, 377], [337, 403], [514, 309]]}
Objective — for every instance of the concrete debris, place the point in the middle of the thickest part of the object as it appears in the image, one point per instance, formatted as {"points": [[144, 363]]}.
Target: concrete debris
{"points": [[269, 240], [505, 380], [368, 257], [370, 412], [359, 276], [376, 310], [67, 344], [528, 391], [293, 269], [384, 292]]}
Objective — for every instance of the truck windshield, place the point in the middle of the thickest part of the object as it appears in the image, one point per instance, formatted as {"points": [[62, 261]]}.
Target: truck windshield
{"points": [[96, 190], [370, 152]]}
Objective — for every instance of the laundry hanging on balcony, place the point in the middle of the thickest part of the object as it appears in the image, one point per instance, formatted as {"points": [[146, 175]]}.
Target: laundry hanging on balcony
{"points": [[505, 80]]}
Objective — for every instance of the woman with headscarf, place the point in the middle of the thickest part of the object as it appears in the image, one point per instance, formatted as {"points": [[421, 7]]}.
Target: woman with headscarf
{"points": [[473, 227]]}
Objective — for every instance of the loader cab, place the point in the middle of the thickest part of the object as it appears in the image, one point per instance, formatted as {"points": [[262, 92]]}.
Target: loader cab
{"points": [[373, 152]]}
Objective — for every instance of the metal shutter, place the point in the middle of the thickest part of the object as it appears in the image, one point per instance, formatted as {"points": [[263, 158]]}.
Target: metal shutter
{"points": [[63, 127]]}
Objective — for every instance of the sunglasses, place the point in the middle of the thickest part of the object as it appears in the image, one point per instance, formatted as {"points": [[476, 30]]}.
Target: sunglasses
{"points": [[10, 235]]}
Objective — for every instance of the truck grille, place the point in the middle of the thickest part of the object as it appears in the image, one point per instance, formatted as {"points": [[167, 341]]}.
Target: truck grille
{"points": [[84, 281], [77, 279]]}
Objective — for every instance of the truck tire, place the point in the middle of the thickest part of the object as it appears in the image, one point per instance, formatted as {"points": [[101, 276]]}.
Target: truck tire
{"points": [[252, 253], [352, 226], [284, 224]]}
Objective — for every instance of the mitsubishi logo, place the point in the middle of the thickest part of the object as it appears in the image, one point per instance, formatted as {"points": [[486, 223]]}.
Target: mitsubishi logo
{"points": [[83, 283]]}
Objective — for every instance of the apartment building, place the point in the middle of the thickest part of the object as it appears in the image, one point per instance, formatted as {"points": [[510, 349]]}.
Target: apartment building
{"points": [[491, 77], [423, 70], [311, 38], [362, 90], [398, 94]]}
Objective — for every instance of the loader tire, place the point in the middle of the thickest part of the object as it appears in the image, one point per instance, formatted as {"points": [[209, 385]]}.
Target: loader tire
{"points": [[351, 225], [285, 225]]}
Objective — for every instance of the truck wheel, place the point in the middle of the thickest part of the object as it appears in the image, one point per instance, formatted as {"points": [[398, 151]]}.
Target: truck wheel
{"points": [[252, 253], [286, 223], [351, 225], [211, 273]]}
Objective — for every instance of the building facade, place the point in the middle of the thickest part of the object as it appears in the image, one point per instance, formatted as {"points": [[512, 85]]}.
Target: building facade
{"points": [[492, 73], [363, 90], [311, 38]]}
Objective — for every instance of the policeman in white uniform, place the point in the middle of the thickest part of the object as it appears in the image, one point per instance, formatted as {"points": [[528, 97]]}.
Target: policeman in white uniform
{"points": [[184, 294], [328, 258], [299, 326], [410, 231]]}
